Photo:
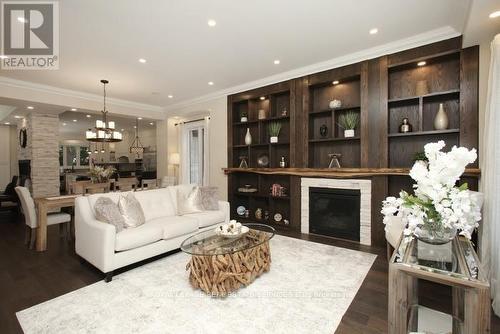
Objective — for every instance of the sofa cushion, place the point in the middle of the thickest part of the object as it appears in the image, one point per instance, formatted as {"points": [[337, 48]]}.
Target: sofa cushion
{"points": [[175, 226], [207, 218], [112, 196], [107, 211], [131, 210], [139, 236], [184, 188], [156, 203]]}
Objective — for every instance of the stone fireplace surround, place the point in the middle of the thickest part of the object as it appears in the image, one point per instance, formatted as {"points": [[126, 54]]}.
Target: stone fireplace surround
{"points": [[365, 188]]}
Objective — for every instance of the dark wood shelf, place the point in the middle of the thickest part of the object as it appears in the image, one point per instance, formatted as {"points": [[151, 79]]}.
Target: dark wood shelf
{"points": [[423, 133], [335, 109], [417, 97], [260, 195], [276, 118], [325, 140], [247, 122]]}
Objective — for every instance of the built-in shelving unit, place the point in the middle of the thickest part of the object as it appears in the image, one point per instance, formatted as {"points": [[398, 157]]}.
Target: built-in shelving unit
{"points": [[382, 92]]}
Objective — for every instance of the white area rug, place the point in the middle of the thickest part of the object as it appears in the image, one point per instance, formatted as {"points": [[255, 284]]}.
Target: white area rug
{"points": [[307, 290]]}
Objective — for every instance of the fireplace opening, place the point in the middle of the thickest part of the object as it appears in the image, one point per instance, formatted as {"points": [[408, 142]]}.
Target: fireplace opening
{"points": [[335, 212]]}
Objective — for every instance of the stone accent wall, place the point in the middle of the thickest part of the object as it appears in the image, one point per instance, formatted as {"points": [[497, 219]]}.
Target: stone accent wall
{"points": [[43, 151]]}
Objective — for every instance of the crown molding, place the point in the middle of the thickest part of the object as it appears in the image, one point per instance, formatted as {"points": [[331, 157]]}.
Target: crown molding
{"points": [[6, 82], [428, 37]]}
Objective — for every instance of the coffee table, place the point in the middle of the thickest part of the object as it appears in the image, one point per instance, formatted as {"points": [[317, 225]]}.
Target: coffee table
{"points": [[221, 265]]}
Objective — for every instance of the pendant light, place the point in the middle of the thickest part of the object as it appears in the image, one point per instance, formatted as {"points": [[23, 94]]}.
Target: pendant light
{"points": [[104, 130], [136, 146]]}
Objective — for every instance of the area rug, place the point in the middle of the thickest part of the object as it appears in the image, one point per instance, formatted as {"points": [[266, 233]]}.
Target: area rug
{"points": [[307, 290]]}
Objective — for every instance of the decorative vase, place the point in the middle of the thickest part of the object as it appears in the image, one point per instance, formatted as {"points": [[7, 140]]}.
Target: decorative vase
{"points": [[323, 130], [335, 104], [441, 119], [405, 126], [349, 133], [243, 119], [273, 140], [435, 233], [262, 114], [248, 137]]}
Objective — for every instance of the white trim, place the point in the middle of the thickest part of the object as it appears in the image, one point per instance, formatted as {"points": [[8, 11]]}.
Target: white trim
{"points": [[6, 82], [365, 188], [204, 155], [428, 37]]}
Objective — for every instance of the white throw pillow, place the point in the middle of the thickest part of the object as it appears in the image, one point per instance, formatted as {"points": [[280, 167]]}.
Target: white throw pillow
{"points": [[131, 210], [189, 202]]}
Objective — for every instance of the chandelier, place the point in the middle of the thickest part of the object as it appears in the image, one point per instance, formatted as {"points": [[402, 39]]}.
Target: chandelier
{"points": [[104, 130], [136, 146]]}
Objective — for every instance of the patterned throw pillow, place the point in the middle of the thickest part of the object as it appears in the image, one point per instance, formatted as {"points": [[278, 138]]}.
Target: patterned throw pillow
{"points": [[210, 198], [107, 211], [189, 202], [131, 210]]}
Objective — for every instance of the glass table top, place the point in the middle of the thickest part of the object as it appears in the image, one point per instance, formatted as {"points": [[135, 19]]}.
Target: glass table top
{"points": [[209, 243], [454, 259]]}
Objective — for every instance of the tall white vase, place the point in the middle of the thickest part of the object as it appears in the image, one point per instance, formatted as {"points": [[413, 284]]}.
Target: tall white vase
{"points": [[441, 119], [248, 137]]}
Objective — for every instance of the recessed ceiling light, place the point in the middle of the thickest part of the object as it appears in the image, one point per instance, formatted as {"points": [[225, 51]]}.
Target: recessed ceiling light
{"points": [[7, 123], [139, 118], [170, 96], [495, 14], [211, 23], [74, 109], [142, 60], [421, 63], [30, 107], [276, 62], [64, 124], [373, 31], [135, 127], [3, 57], [262, 98], [210, 83], [151, 123], [88, 116], [18, 117], [123, 130], [75, 120], [21, 19], [336, 82]]}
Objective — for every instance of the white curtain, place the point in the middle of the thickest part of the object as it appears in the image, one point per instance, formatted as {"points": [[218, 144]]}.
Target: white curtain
{"points": [[490, 166]]}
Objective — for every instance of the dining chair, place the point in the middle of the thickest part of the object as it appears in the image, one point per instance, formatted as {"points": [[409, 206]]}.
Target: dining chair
{"points": [[97, 188], [78, 187], [30, 217], [167, 181], [149, 184]]}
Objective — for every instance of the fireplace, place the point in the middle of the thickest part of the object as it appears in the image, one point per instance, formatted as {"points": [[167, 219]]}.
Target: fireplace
{"points": [[337, 207], [335, 212]]}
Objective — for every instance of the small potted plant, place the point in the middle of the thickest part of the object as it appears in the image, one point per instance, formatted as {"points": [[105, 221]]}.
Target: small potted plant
{"points": [[349, 122], [243, 117], [274, 131]]}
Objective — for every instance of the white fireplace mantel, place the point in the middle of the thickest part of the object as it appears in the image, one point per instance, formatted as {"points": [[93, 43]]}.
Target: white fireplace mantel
{"points": [[365, 188]]}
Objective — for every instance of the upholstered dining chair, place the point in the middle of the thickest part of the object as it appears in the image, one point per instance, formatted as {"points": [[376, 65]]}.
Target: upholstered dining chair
{"points": [[97, 188], [126, 184], [149, 184], [30, 217], [78, 187], [393, 231]]}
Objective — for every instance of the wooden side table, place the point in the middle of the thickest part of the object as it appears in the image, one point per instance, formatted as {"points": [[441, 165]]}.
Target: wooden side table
{"points": [[454, 264]]}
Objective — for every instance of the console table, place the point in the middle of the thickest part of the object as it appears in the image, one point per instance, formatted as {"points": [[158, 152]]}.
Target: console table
{"points": [[454, 264]]}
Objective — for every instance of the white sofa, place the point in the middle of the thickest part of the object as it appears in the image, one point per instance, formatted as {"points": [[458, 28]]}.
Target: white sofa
{"points": [[99, 244]]}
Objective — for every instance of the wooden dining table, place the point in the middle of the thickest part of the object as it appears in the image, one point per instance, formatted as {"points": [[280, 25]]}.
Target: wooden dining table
{"points": [[44, 206]]}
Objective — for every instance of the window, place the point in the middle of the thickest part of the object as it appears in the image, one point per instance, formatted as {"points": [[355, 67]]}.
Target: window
{"points": [[195, 153], [73, 156]]}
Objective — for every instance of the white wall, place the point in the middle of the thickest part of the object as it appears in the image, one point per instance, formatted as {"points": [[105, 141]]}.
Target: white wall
{"points": [[217, 110], [5, 156]]}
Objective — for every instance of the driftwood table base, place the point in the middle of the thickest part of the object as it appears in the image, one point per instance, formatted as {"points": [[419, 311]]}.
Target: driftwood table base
{"points": [[220, 275]]}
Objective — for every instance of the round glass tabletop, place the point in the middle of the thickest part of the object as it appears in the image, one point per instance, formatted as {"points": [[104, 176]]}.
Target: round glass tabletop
{"points": [[209, 243]]}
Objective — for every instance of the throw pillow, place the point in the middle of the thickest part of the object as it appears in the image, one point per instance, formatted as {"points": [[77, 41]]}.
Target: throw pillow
{"points": [[131, 210], [189, 202], [107, 211], [210, 198]]}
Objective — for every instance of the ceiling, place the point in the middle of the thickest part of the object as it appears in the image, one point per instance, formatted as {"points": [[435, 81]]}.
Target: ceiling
{"points": [[105, 39]]}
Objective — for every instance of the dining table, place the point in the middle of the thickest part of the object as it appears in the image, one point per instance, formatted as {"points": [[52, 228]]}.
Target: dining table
{"points": [[44, 205]]}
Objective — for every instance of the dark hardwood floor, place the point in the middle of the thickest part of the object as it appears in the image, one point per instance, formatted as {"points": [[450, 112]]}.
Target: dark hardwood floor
{"points": [[28, 278]]}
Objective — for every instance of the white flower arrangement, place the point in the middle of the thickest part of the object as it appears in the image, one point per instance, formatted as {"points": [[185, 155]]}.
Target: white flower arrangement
{"points": [[437, 202]]}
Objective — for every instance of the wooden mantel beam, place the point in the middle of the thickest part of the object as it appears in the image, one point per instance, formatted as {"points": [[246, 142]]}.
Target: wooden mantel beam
{"points": [[335, 172]]}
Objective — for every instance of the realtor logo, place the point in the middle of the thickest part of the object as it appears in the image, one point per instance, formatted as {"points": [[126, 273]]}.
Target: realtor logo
{"points": [[30, 35]]}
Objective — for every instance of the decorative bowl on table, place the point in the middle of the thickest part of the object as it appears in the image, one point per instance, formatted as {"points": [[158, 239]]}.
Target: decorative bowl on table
{"points": [[231, 230]]}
